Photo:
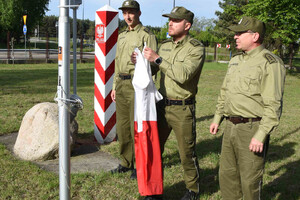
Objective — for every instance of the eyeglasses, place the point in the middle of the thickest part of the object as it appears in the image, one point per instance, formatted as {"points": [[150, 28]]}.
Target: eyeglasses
{"points": [[240, 33]]}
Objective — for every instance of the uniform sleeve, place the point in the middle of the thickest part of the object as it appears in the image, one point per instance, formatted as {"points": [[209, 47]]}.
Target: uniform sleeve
{"points": [[117, 66], [184, 68], [152, 42], [271, 92]]}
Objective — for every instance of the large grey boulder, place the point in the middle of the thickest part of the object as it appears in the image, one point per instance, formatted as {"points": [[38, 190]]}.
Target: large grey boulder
{"points": [[38, 137]]}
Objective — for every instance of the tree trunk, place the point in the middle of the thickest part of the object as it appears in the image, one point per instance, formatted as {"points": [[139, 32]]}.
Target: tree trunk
{"points": [[291, 47], [8, 45]]}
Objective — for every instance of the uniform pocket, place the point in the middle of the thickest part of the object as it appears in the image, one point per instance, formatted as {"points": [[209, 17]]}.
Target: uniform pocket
{"points": [[180, 58], [249, 81]]}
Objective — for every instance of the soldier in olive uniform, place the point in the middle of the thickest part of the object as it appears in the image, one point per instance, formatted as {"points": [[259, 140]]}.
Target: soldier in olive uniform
{"points": [[180, 61], [136, 35], [250, 101]]}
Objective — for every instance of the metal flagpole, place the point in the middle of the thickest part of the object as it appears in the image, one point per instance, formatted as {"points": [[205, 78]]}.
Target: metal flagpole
{"points": [[63, 91], [74, 50]]}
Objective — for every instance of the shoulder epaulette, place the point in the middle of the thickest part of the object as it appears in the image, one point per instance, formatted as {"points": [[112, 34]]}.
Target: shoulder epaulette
{"points": [[237, 53], [147, 30], [165, 41], [270, 58], [122, 31], [195, 42]]}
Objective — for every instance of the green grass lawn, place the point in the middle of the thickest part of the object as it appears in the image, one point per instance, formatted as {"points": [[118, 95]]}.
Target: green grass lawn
{"points": [[23, 86]]}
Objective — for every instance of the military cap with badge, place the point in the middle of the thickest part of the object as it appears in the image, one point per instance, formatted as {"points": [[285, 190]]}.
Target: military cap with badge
{"points": [[130, 4], [249, 23], [179, 12]]}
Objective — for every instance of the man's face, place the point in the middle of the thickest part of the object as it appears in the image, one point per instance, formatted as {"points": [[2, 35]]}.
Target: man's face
{"points": [[177, 27], [131, 16], [245, 40]]}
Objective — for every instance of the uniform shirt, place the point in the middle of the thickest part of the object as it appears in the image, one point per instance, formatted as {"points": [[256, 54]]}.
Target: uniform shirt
{"points": [[128, 40], [181, 67], [253, 87]]}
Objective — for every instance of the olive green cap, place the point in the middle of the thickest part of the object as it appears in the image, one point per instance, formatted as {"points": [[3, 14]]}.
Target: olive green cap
{"points": [[249, 23], [181, 13], [130, 4]]}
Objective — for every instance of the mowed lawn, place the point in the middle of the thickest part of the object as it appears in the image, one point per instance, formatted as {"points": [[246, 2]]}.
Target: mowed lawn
{"points": [[23, 86]]}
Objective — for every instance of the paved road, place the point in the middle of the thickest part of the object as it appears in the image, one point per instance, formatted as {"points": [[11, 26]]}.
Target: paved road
{"points": [[21, 54]]}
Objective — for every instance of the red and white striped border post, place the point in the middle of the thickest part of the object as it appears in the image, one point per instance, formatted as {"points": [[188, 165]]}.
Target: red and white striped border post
{"points": [[106, 36]]}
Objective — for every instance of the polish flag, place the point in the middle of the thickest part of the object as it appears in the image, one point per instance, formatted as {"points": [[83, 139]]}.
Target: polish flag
{"points": [[146, 140]]}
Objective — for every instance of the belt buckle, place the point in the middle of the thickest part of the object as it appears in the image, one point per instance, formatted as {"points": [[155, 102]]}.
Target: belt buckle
{"points": [[125, 76], [167, 102]]}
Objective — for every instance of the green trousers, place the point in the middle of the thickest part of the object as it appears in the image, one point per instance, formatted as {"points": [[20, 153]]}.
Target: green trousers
{"points": [[180, 119], [125, 121], [241, 171]]}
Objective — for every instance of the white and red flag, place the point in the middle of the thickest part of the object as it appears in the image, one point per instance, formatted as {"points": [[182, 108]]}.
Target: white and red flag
{"points": [[146, 140]]}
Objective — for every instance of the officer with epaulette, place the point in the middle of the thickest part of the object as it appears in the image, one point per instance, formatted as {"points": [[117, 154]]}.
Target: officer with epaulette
{"points": [[180, 61], [135, 36], [250, 102]]}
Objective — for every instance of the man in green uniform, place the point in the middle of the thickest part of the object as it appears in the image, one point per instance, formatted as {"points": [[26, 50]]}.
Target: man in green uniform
{"points": [[136, 35], [180, 61], [250, 100]]}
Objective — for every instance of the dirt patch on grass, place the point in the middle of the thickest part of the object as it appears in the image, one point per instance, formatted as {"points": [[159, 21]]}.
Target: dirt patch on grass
{"points": [[86, 156]]}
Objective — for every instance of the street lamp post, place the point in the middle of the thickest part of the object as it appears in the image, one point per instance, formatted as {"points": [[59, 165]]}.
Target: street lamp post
{"points": [[35, 34], [56, 26]]}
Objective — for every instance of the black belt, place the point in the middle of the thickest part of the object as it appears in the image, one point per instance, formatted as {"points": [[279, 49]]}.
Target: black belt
{"points": [[169, 102], [125, 76], [238, 119]]}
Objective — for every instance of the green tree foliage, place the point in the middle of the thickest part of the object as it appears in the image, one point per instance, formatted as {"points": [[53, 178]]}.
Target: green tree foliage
{"points": [[48, 25], [282, 15], [283, 19], [11, 15], [202, 30], [232, 12]]}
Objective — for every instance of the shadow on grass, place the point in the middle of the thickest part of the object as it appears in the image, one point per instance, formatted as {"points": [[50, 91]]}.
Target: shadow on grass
{"points": [[285, 186], [85, 146], [277, 152], [290, 133], [208, 185], [203, 118]]}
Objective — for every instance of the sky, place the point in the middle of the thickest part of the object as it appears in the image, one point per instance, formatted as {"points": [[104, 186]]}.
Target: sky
{"points": [[152, 10]]}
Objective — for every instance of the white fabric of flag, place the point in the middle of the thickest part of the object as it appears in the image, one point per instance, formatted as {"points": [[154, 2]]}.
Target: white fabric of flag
{"points": [[146, 94]]}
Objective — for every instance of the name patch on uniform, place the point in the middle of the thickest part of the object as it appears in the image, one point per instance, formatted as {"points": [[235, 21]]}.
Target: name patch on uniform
{"points": [[234, 63], [270, 58], [166, 49]]}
